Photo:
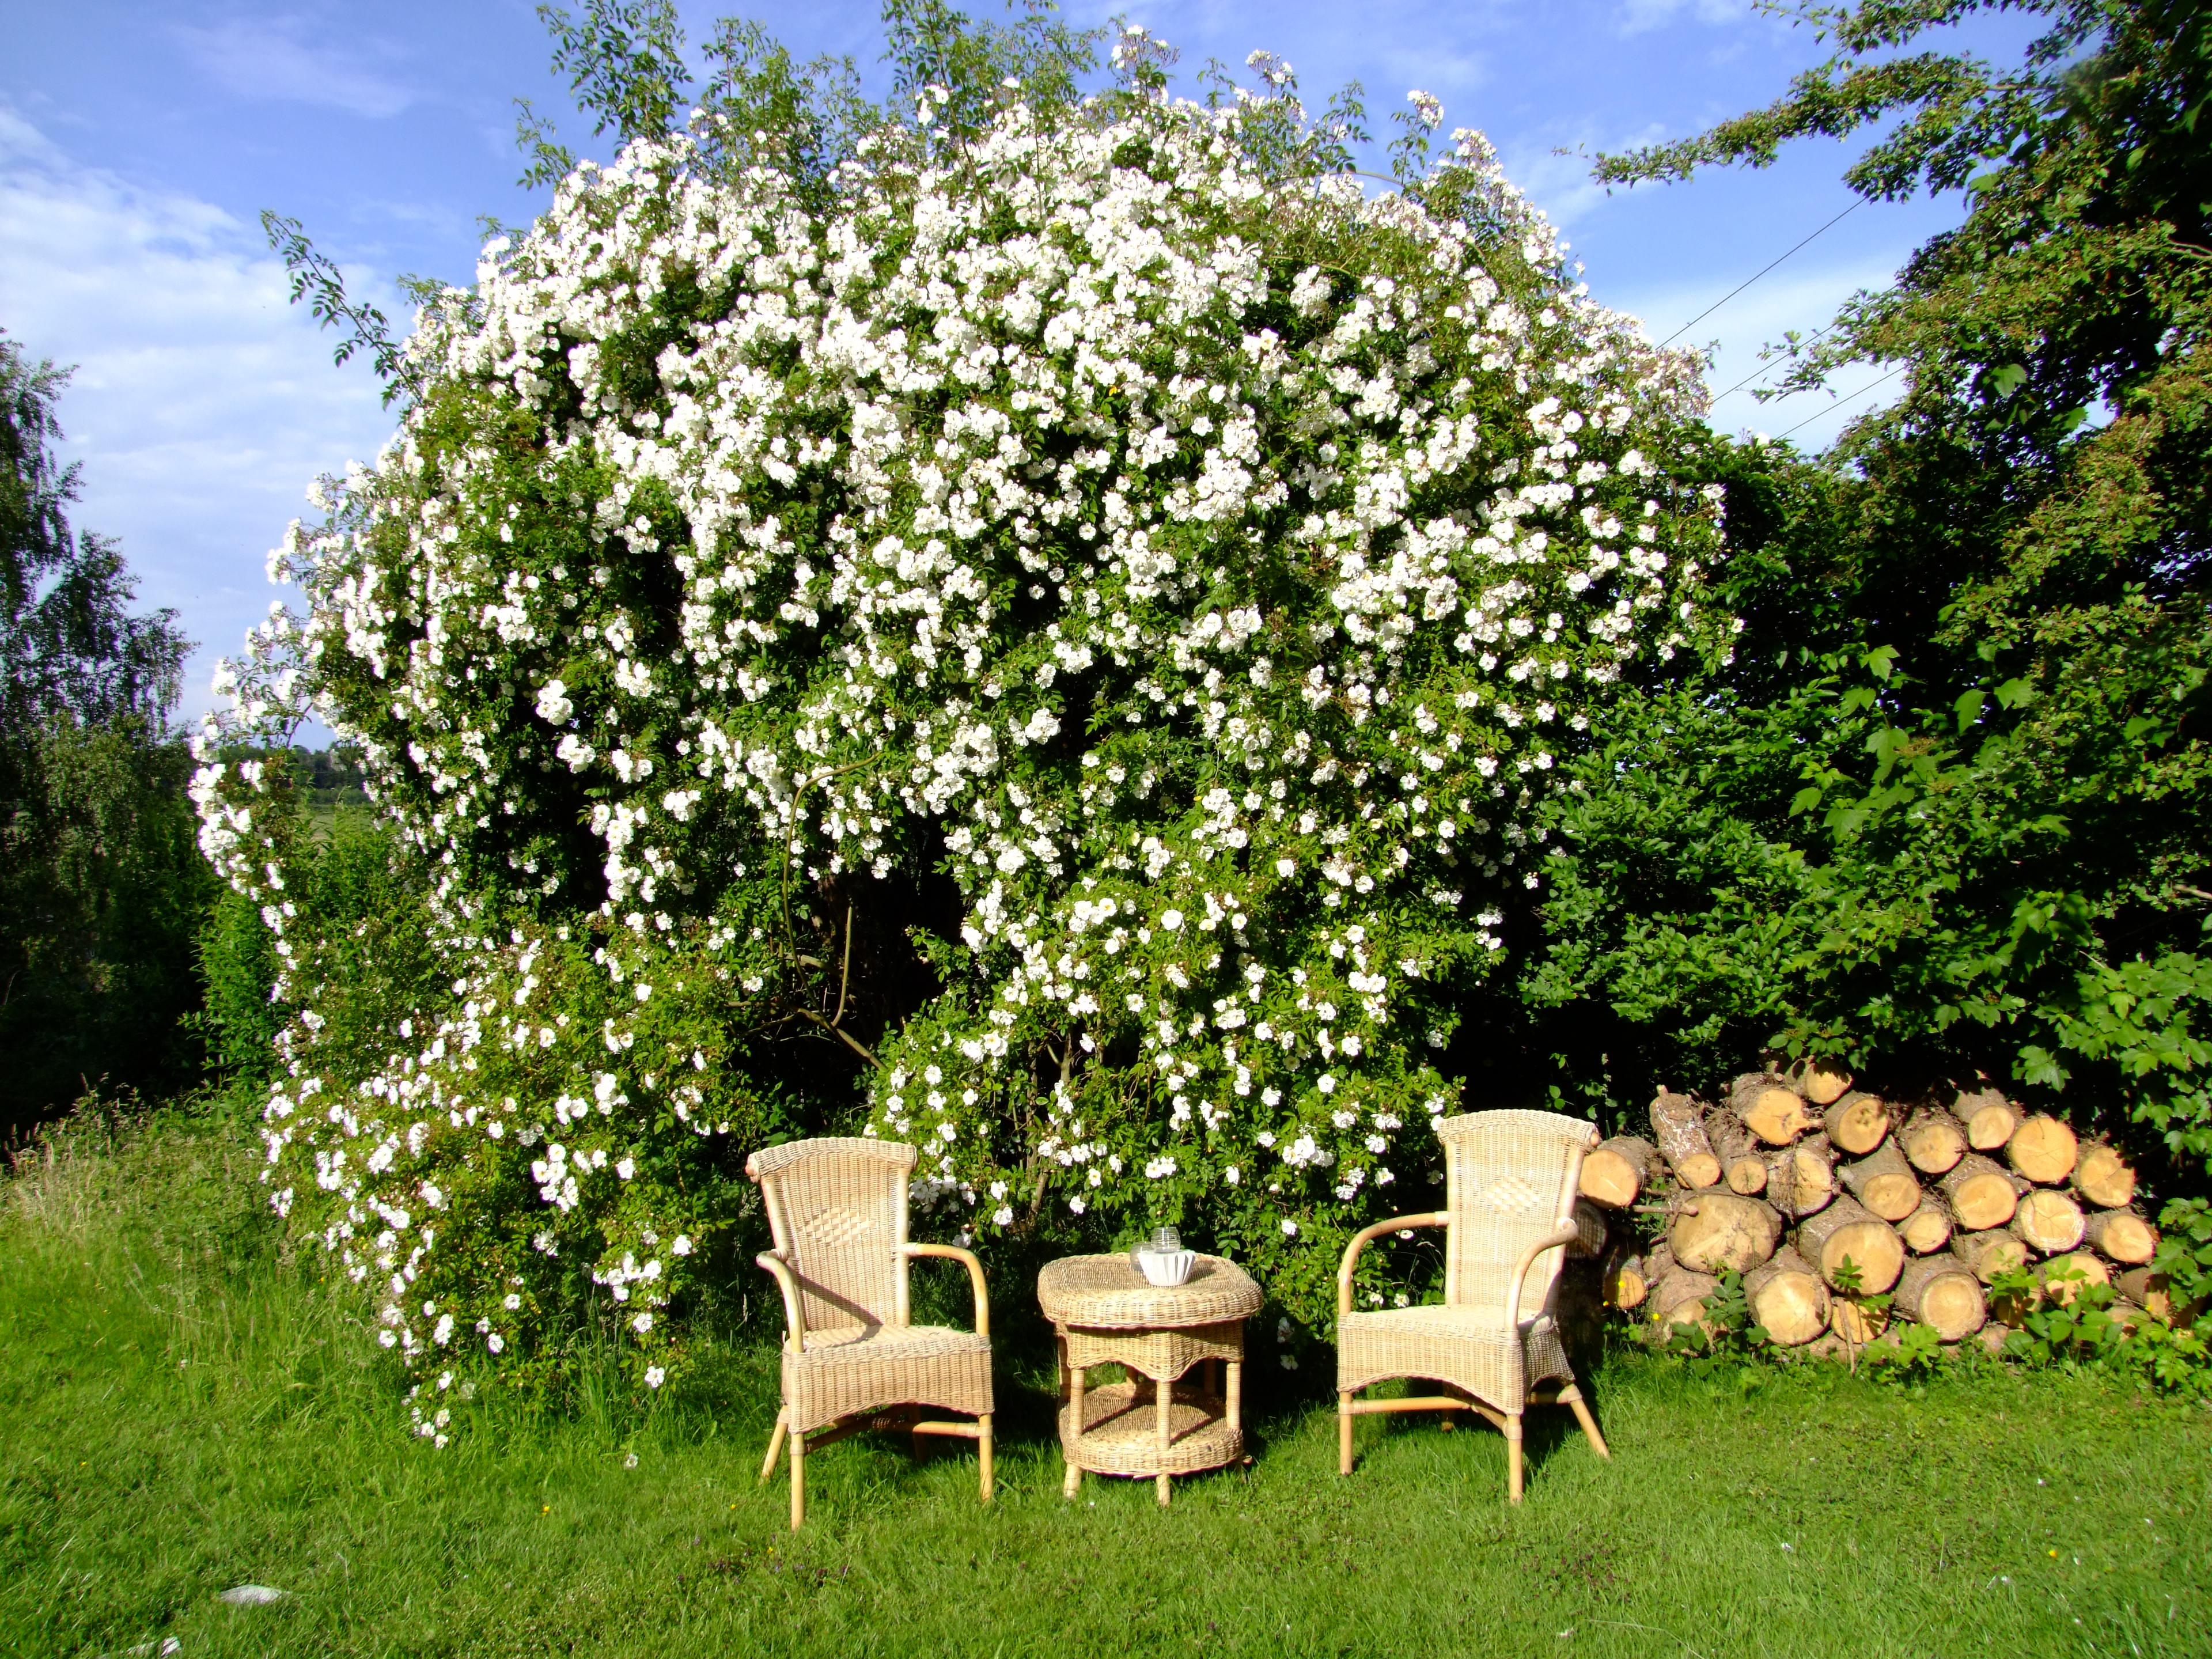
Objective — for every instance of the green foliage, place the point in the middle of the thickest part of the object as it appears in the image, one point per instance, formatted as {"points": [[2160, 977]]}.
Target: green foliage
{"points": [[352, 880], [101, 891], [100, 887], [1727, 1341], [1948, 807]]}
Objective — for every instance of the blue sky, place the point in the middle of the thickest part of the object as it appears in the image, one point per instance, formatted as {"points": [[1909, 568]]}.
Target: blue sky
{"points": [[139, 143]]}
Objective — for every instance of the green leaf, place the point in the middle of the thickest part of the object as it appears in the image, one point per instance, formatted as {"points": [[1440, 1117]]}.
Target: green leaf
{"points": [[2013, 694], [1968, 706]]}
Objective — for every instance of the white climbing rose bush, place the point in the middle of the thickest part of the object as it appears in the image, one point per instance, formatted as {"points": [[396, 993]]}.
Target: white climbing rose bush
{"points": [[1204, 569]]}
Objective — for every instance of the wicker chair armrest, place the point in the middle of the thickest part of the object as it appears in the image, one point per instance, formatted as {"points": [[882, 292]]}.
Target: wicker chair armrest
{"points": [[1566, 1235], [1434, 1218], [771, 1262], [953, 1252]]}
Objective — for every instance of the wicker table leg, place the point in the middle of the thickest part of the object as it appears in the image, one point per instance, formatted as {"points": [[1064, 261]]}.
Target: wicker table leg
{"points": [[1071, 1482], [1233, 1391], [1164, 1409]]}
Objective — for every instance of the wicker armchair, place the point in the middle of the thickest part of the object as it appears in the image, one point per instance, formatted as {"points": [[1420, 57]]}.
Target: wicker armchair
{"points": [[853, 1359], [1510, 1193]]}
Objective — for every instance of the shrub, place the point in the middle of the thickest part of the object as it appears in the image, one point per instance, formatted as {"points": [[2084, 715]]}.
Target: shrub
{"points": [[1076, 616]]}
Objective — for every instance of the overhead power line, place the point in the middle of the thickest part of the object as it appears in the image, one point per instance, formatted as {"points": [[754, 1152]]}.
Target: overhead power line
{"points": [[1763, 370], [1755, 275], [1853, 398]]}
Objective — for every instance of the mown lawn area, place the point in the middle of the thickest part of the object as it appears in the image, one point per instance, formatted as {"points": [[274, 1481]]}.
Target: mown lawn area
{"points": [[181, 1411]]}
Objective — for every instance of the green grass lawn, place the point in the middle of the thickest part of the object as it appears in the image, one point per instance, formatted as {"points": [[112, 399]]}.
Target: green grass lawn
{"points": [[180, 1412]]}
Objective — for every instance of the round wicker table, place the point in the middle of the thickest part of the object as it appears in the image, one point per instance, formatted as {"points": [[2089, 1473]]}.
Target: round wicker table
{"points": [[1104, 1313]]}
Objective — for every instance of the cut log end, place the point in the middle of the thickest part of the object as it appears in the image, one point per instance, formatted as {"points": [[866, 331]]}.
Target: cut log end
{"points": [[1854, 1322], [1981, 1194], [1844, 1238], [1990, 1119], [1823, 1082], [1857, 1122], [1788, 1299], [2049, 1221], [2103, 1177], [1939, 1293], [2065, 1277], [1618, 1170], [1680, 1299], [1800, 1179], [1933, 1141], [2122, 1235], [1883, 1183], [1927, 1230], [1724, 1232], [1986, 1254]]}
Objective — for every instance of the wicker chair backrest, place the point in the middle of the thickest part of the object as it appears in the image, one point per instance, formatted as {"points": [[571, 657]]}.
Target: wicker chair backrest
{"points": [[1509, 1179], [837, 1209]]}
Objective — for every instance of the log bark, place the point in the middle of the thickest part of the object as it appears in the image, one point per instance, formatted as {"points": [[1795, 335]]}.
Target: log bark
{"points": [[1769, 1108], [2102, 1177], [1680, 1299], [2048, 1221], [2149, 1288], [2122, 1235], [1883, 1181], [1788, 1298], [1717, 1231], [1939, 1293], [1988, 1116], [1847, 1230], [2059, 1282], [1590, 1236], [1857, 1122], [1986, 1254], [1981, 1194], [2043, 1151], [1933, 1140], [1680, 1129], [1823, 1082], [1801, 1179], [1618, 1170], [1743, 1160], [1927, 1229]]}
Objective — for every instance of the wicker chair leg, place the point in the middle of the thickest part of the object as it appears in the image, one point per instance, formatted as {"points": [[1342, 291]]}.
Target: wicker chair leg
{"points": [[797, 1481], [1513, 1457], [774, 1448], [1071, 1482], [983, 1453], [1343, 1433], [1572, 1397]]}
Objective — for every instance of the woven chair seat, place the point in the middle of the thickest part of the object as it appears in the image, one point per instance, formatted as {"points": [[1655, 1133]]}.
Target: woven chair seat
{"points": [[860, 1368], [1468, 1346]]}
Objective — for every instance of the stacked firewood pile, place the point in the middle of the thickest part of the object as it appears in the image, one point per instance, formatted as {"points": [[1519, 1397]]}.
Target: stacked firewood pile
{"points": [[1822, 1196]]}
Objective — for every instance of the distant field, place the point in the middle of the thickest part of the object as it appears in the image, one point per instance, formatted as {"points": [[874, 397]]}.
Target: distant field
{"points": [[184, 1412]]}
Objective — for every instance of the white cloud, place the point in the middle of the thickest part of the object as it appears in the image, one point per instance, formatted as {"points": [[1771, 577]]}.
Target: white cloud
{"points": [[202, 402], [273, 58]]}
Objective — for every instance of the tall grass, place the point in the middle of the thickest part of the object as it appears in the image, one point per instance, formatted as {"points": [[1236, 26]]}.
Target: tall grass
{"points": [[185, 1406]]}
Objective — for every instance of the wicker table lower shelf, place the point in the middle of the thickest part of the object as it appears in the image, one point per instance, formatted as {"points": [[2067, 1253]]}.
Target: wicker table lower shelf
{"points": [[1121, 1436]]}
